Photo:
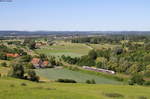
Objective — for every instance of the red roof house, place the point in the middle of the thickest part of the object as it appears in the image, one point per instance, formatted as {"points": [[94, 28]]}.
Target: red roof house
{"points": [[38, 63], [12, 55]]}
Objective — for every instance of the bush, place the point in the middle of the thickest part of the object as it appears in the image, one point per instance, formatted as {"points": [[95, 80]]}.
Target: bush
{"points": [[12, 85], [92, 54], [17, 71], [32, 76], [86, 61], [147, 83], [142, 97], [93, 81], [73, 68], [29, 66], [66, 81], [3, 56], [130, 82], [4, 64], [26, 58], [113, 95], [137, 79], [23, 84], [90, 81]]}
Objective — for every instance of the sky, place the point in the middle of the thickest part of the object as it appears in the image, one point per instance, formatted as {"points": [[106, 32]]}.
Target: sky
{"points": [[75, 15]]}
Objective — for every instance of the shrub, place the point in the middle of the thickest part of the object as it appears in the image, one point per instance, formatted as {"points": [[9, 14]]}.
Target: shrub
{"points": [[130, 82], [29, 65], [32, 76], [26, 58], [23, 84], [3, 56], [93, 81], [12, 85], [113, 95], [142, 97], [17, 71], [92, 54], [4, 64], [147, 83], [66, 81], [90, 81], [86, 61], [73, 68], [137, 79]]}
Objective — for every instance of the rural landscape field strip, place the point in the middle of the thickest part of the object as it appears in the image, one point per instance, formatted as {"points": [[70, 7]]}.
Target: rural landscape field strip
{"points": [[69, 49], [12, 88], [54, 74]]}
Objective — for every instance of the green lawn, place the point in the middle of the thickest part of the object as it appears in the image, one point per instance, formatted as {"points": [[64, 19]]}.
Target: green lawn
{"points": [[13, 89], [54, 74], [65, 48]]}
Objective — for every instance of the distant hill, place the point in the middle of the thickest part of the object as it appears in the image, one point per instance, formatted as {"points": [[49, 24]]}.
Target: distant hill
{"points": [[29, 33]]}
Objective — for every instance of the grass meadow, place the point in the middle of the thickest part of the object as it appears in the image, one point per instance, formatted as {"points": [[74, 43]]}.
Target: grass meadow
{"points": [[65, 48], [11, 88]]}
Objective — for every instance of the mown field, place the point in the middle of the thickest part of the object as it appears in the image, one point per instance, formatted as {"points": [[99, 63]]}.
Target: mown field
{"points": [[102, 46], [54, 74], [11, 88], [65, 48], [71, 49]]}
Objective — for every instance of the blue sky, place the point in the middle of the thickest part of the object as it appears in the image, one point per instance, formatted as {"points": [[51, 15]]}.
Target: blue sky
{"points": [[89, 15]]}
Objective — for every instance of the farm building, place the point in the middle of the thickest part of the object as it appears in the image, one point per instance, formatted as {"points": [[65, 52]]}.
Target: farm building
{"points": [[38, 63], [12, 55]]}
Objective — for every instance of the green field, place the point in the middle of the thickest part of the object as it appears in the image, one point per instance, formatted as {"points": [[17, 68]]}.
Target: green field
{"points": [[11, 88], [65, 48], [102, 46], [71, 49], [54, 74]]}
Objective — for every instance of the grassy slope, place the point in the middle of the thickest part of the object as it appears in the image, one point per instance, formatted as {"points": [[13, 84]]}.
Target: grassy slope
{"points": [[12, 89], [54, 74]]}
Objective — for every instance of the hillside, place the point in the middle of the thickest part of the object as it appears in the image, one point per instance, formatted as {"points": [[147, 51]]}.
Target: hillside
{"points": [[20, 89]]}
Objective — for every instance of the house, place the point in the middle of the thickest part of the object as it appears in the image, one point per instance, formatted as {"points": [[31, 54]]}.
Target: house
{"points": [[12, 55], [44, 64], [38, 63], [38, 44]]}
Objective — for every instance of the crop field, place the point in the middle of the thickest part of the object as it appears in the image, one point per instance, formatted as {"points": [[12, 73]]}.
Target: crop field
{"points": [[54, 74], [102, 46], [63, 48], [71, 49], [21, 89]]}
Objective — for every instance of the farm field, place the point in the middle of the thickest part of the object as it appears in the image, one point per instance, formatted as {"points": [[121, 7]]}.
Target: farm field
{"points": [[12, 88], [102, 46], [65, 48], [71, 49], [54, 74]]}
